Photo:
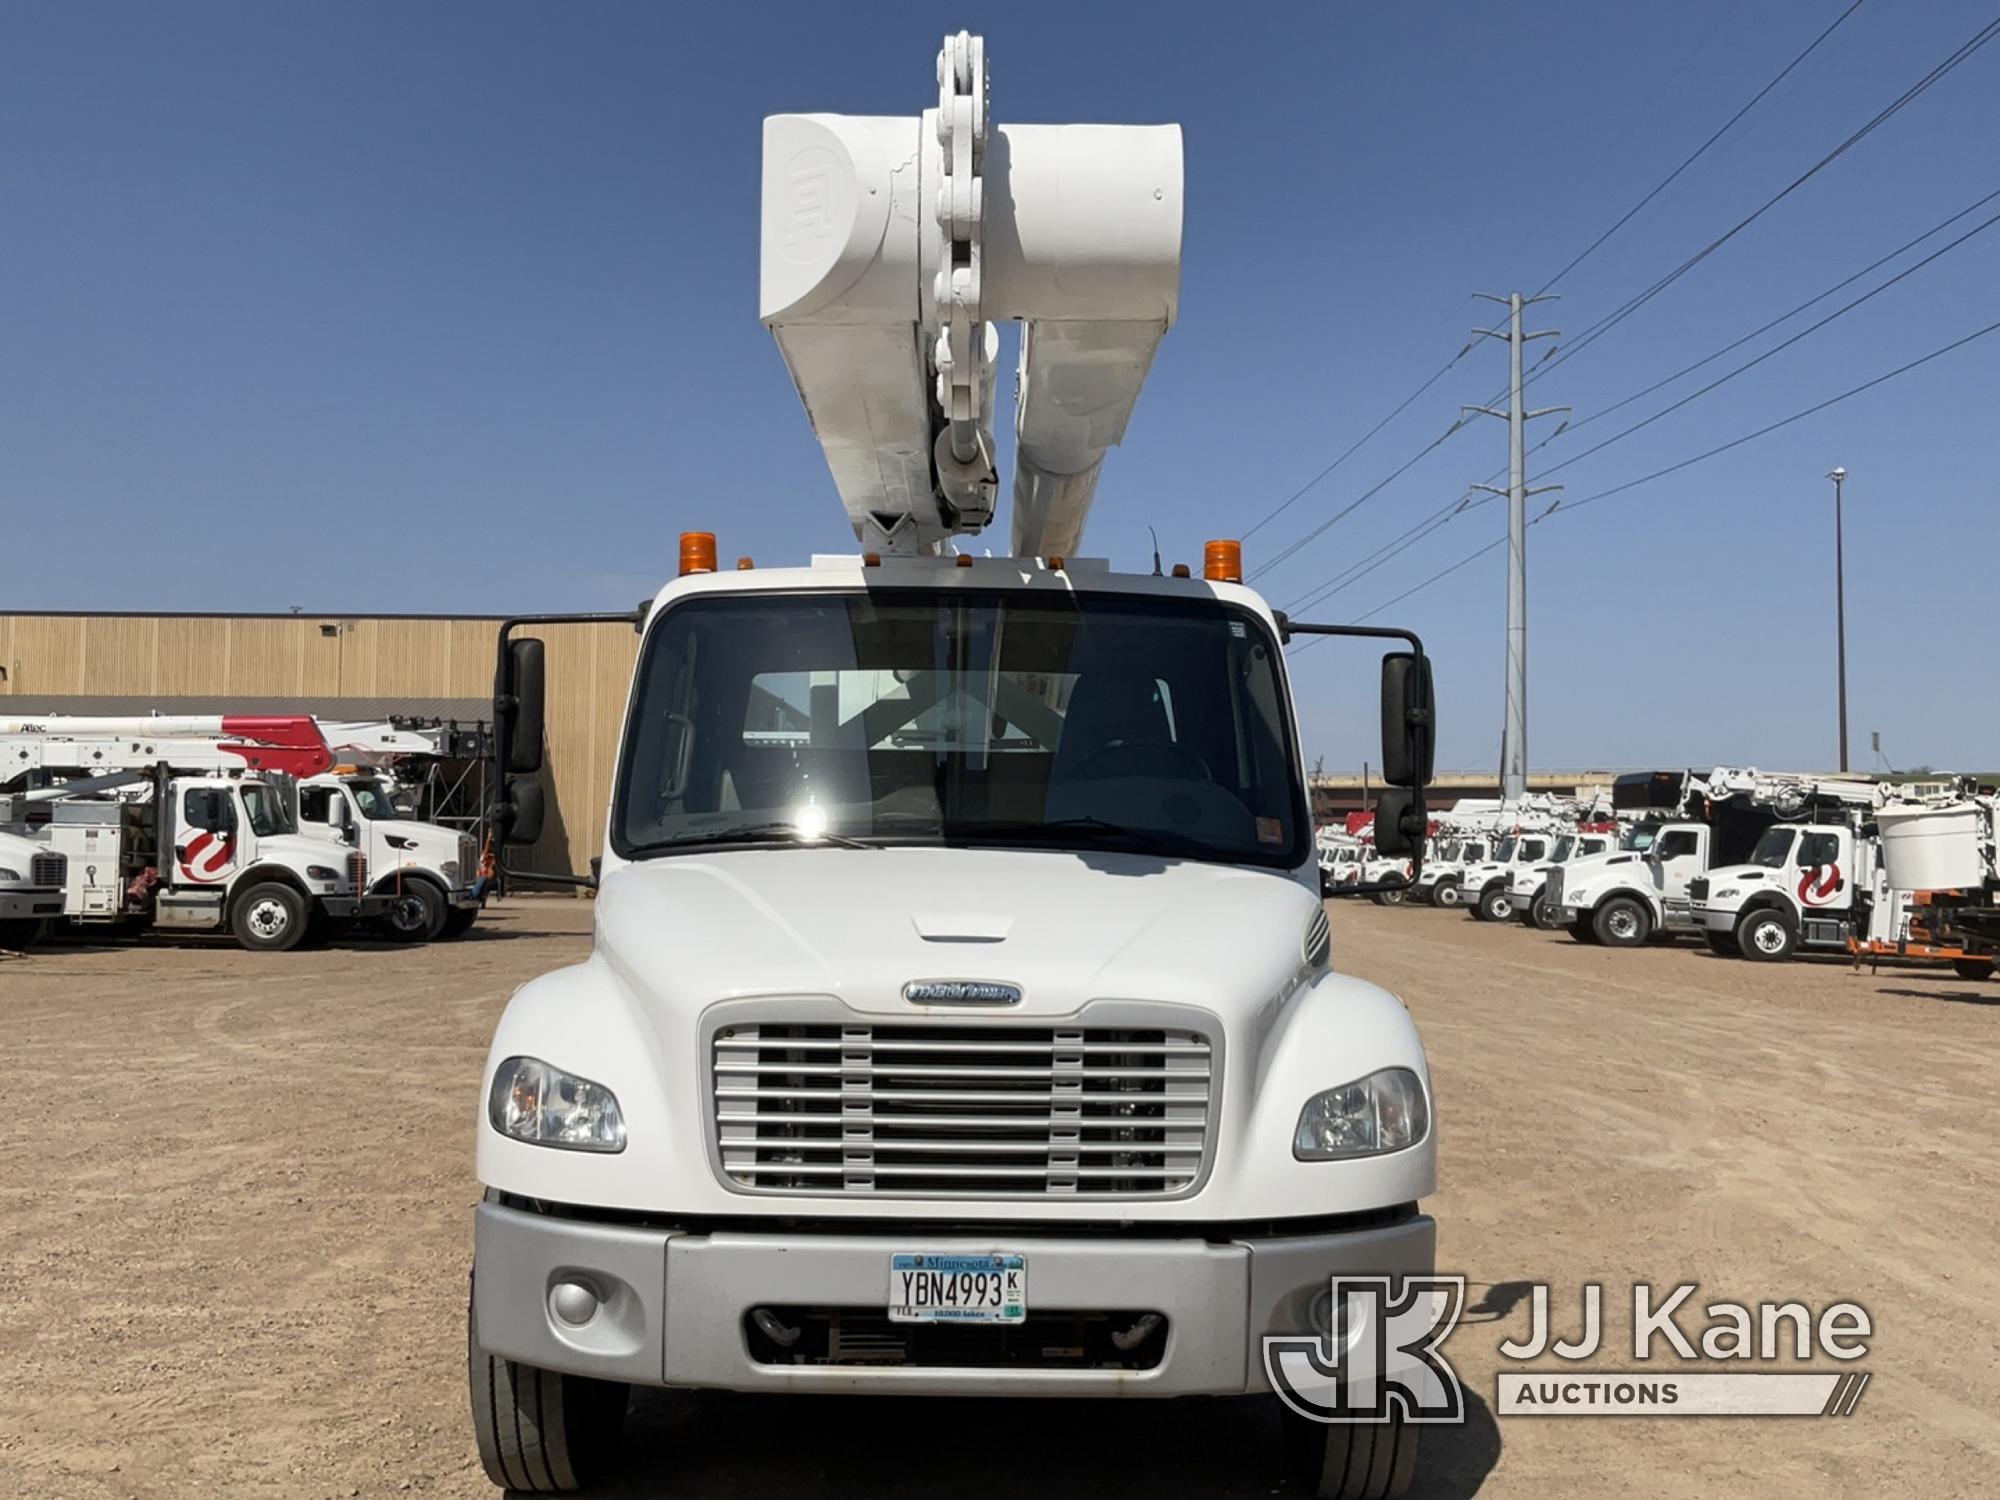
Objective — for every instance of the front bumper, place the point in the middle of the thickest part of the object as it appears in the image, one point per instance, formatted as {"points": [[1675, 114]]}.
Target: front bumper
{"points": [[673, 1305], [30, 904], [355, 908], [1714, 918]]}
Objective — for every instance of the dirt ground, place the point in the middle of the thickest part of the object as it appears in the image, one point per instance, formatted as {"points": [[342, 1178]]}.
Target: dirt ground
{"points": [[235, 1219]]}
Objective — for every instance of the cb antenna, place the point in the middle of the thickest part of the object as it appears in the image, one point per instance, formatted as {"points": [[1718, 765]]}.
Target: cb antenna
{"points": [[1156, 550]]}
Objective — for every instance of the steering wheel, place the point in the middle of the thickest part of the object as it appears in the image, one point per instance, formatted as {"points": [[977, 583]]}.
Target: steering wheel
{"points": [[1141, 751]]}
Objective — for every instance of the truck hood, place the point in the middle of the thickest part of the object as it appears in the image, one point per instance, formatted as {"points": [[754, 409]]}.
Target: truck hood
{"points": [[1742, 875], [304, 849], [681, 932], [431, 843]]}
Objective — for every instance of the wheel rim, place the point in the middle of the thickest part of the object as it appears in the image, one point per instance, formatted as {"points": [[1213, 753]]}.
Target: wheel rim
{"points": [[1768, 937], [1447, 896], [1503, 908], [1623, 924], [269, 919], [407, 914]]}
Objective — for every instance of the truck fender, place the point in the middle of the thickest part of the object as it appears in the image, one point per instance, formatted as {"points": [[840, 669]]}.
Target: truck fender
{"points": [[266, 874], [581, 1019], [404, 875], [1648, 899], [1336, 1029]]}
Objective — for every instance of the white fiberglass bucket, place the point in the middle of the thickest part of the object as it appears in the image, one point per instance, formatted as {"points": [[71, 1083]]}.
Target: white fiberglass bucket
{"points": [[1932, 848]]}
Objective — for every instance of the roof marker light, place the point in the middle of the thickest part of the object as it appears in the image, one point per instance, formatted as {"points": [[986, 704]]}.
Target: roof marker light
{"points": [[1181, 570], [964, 560], [745, 565], [697, 552], [1222, 561]]}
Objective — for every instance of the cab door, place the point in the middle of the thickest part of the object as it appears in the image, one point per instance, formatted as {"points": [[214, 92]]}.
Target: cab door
{"points": [[1822, 883], [1677, 857], [206, 833], [323, 812]]}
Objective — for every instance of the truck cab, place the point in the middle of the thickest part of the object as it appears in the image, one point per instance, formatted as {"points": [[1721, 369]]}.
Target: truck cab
{"points": [[1483, 887], [1623, 897], [978, 1035], [424, 871], [1528, 882], [1804, 886], [1437, 882], [31, 889]]}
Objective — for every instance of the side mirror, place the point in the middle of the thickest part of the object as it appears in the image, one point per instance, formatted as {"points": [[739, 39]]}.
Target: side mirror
{"points": [[522, 814], [1409, 722], [1399, 823], [520, 705]]}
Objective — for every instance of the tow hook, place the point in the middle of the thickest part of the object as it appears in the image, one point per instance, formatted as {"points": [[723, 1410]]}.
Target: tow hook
{"points": [[769, 1325], [1128, 1339]]}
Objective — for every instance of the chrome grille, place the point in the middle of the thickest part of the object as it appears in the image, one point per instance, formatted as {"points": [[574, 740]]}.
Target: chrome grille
{"points": [[48, 869], [357, 872], [1555, 888], [468, 859], [1318, 946], [962, 1109]]}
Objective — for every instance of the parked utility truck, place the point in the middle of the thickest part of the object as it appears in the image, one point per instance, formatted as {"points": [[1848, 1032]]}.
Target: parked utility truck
{"points": [[424, 872], [181, 823], [1941, 847], [979, 1035], [31, 889], [1712, 824], [1527, 884]]}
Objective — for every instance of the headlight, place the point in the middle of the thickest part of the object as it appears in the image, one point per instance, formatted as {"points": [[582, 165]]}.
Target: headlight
{"points": [[7, 874], [449, 869], [534, 1102], [1383, 1112], [321, 872]]}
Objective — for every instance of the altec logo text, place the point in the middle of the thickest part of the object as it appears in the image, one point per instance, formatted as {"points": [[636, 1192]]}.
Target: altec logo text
{"points": [[1381, 1357]]}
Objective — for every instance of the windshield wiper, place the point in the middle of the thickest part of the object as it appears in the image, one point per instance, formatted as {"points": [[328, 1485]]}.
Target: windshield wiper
{"points": [[755, 833], [1087, 829]]}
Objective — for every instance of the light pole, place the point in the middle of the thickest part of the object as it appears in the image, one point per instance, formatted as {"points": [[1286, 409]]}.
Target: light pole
{"points": [[1840, 605]]}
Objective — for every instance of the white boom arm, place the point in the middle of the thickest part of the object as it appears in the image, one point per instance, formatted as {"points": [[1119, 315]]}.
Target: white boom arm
{"points": [[100, 747], [891, 246], [1787, 794]]}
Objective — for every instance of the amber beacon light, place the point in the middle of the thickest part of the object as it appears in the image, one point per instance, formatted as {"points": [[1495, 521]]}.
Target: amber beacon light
{"points": [[697, 552], [1222, 562]]}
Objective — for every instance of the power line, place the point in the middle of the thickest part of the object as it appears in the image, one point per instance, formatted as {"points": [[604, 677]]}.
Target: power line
{"points": [[1353, 448], [1611, 320], [1778, 348], [1618, 315], [1352, 574], [1674, 468], [1785, 316], [1702, 149]]}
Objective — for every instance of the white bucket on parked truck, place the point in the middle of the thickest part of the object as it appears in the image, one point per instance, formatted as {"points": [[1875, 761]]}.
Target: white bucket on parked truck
{"points": [[1932, 848]]}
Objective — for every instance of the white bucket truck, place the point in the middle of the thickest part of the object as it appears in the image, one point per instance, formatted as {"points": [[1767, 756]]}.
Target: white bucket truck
{"points": [[181, 823], [31, 889], [1711, 824], [1527, 885], [424, 872], [1941, 847], [975, 1035]]}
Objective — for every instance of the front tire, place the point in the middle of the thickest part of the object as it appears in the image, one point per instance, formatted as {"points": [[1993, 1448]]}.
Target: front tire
{"points": [[21, 932], [269, 918], [1722, 944], [1390, 898], [540, 1432], [416, 913], [1972, 968], [1444, 895], [1350, 1460], [1495, 905], [1622, 922], [458, 922], [1767, 936], [1543, 915]]}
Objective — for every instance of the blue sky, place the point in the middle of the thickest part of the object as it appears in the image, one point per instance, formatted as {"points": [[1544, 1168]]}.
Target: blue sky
{"points": [[453, 307]]}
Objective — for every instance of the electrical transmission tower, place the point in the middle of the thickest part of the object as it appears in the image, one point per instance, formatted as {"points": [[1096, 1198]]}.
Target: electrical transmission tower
{"points": [[1514, 730]]}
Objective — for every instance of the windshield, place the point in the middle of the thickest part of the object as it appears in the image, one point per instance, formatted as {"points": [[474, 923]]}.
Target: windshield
{"points": [[373, 799], [266, 811], [1504, 850], [1084, 721], [1774, 847], [1562, 848], [1473, 853]]}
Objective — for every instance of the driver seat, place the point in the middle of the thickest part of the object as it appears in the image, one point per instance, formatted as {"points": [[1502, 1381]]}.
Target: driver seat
{"points": [[1109, 708]]}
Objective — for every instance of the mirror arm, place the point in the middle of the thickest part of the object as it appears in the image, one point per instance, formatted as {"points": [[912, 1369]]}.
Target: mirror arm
{"points": [[1288, 627]]}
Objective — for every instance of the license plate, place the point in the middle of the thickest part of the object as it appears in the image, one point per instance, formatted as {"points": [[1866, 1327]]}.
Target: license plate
{"points": [[926, 1288]]}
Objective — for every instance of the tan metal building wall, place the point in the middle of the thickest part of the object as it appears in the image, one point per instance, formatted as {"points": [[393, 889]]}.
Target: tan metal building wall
{"points": [[349, 656]]}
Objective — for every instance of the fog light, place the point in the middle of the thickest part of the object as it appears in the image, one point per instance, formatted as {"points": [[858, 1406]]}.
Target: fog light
{"points": [[573, 1302]]}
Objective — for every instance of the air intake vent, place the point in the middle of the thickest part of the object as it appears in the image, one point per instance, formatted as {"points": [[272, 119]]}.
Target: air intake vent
{"points": [[48, 869], [1319, 940], [357, 871], [962, 1110]]}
